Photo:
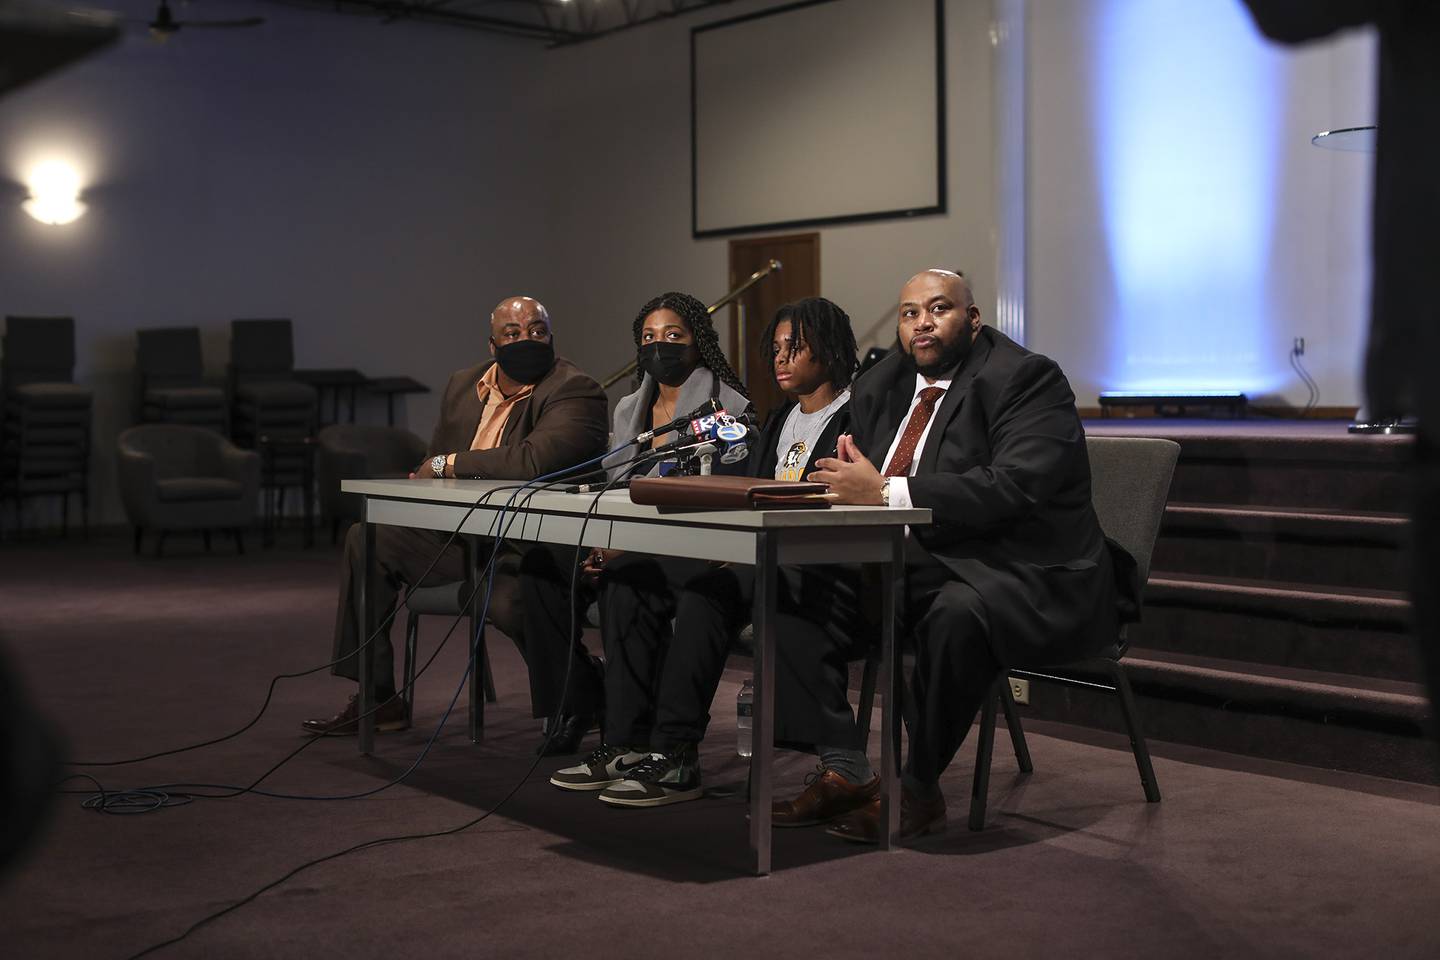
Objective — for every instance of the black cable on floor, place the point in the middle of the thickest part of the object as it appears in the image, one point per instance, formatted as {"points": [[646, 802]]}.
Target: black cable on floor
{"points": [[401, 838], [173, 791], [121, 798]]}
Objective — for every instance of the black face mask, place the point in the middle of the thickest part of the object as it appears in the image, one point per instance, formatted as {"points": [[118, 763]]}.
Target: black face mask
{"points": [[669, 363], [525, 361]]}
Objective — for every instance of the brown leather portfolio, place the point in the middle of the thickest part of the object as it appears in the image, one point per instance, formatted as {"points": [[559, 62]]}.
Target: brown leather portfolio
{"points": [[718, 493]]}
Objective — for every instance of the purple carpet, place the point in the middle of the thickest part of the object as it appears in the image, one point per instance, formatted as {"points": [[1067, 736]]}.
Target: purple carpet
{"points": [[1244, 857]]}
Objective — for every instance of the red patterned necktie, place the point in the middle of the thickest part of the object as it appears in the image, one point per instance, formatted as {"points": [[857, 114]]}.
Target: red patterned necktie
{"points": [[914, 427]]}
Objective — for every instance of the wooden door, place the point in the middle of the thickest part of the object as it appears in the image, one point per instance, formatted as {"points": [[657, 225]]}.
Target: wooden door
{"points": [[799, 277]]}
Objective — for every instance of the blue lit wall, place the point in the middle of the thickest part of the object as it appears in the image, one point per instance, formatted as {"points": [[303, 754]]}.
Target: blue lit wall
{"points": [[1188, 107]]}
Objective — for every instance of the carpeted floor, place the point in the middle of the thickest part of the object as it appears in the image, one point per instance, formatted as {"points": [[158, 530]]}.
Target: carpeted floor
{"points": [[1243, 858]]}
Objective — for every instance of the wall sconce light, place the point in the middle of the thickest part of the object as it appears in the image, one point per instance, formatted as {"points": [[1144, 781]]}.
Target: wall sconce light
{"points": [[54, 194]]}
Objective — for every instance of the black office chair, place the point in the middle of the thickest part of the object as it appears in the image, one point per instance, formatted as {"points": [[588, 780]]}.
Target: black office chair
{"points": [[170, 384], [449, 600], [1130, 482], [45, 433]]}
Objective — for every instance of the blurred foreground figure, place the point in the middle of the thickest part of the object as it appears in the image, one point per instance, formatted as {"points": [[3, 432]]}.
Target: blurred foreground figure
{"points": [[1404, 314], [29, 767]]}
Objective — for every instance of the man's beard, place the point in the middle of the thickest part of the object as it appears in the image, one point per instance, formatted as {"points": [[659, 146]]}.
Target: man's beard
{"points": [[951, 357]]}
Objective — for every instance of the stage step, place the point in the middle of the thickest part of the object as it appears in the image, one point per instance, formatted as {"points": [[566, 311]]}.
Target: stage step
{"points": [[1364, 634], [1299, 464], [1301, 716], [1351, 549], [1275, 619]]}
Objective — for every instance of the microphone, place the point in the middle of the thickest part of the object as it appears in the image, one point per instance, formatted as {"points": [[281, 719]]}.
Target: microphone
{"points": [[722, 434], [708, 408]]}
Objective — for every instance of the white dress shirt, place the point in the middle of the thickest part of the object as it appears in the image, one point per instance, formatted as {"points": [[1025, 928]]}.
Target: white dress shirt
{"points": [[900, 486]]}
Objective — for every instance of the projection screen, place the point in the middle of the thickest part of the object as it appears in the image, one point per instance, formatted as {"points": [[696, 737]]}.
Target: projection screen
{"points": [[829, 111]]}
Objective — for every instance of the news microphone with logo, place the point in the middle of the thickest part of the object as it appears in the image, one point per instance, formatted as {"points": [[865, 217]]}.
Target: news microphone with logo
{"points": [[709, 408], [726, 436]]}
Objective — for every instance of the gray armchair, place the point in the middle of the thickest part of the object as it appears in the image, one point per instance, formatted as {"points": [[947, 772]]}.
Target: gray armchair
{"points": [[179, 477], [349, 452]]}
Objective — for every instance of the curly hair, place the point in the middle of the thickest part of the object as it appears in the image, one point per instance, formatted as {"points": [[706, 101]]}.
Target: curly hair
{"points": [[696, 318], [823, 327]]}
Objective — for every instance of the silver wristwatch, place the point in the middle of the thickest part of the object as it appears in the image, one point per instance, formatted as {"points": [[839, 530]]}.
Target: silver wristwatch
{"points": [[885, 492], [437, 464]]}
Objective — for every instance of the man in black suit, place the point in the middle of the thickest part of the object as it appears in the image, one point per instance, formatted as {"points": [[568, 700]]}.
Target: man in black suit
{"points": [[1014, 570]]}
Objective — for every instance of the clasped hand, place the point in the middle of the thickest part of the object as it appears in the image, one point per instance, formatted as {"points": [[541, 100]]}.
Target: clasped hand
{"points": [[850, 475]]}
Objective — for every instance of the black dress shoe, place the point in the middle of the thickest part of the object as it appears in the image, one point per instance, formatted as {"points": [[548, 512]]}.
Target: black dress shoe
{"points": [[565, 733], [389, 716]]}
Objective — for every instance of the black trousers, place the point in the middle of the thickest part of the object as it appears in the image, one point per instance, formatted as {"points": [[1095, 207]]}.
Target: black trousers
{"points": [[402, 556], [661, 680], [551, 647], [955, 666]]}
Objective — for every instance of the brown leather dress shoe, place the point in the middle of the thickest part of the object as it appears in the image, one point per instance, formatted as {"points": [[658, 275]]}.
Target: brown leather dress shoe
{"points": [[917, 818], [388, 718], [827, 795]]}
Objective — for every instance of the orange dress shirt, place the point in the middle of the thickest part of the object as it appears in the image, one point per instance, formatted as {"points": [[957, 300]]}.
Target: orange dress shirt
{"points": [[497, 409]]}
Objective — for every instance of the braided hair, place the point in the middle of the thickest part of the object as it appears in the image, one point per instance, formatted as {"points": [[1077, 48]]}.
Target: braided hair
{"points": [[696, 318], [823, 327]]}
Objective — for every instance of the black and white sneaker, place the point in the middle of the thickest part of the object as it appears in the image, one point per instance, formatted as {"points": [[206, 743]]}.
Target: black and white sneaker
{"points": [[606, 765], [659, 779]]}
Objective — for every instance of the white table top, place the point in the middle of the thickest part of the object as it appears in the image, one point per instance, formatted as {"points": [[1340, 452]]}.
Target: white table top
{"points": [[616, 505]]}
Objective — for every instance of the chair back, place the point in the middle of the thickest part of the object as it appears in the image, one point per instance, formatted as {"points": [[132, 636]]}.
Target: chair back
{"points": [[385, 450], [178, 450], [1129, 485], [38, 350], [261, 350], [169, 356]]}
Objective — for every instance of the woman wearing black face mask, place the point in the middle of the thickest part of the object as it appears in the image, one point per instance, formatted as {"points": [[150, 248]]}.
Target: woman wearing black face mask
{"points": [[679, 366]]}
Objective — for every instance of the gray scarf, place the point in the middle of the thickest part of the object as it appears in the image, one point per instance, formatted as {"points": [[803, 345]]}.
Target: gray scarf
{"points": [[632, 411]]}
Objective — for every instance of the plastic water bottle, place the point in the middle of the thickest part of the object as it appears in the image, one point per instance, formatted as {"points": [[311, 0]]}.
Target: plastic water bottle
{"points": [[745, 717]]}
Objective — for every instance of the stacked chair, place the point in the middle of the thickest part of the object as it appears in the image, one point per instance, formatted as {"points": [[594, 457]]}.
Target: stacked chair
{"points": [[170, 384], [45, 435], [272, 412]]}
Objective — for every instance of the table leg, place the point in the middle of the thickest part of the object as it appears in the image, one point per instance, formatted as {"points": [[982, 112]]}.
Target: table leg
{"points": [[763, 732], [890, 683], [365, 705], [477, 625]]}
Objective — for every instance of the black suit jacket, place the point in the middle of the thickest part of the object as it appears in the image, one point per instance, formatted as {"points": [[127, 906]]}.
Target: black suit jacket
{"points": [[1006, 474], [560, 424], [763, 461]]}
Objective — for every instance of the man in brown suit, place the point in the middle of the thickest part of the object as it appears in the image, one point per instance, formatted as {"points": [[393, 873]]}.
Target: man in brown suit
{"points": [[522, 415]]}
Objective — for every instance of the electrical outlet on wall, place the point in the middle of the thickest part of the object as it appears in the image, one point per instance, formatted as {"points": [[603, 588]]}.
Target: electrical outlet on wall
{"points": [[1020, 690]]}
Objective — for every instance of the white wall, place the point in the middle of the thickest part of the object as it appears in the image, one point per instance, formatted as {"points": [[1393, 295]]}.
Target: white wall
{"points": [[1182, 228]]}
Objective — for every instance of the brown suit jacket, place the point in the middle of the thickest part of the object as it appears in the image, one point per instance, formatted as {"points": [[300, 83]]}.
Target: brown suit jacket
{"points": [[562, 423]]}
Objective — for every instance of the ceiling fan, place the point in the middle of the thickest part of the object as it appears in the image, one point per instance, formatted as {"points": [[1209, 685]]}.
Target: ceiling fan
{"points": [[164, 25]]}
